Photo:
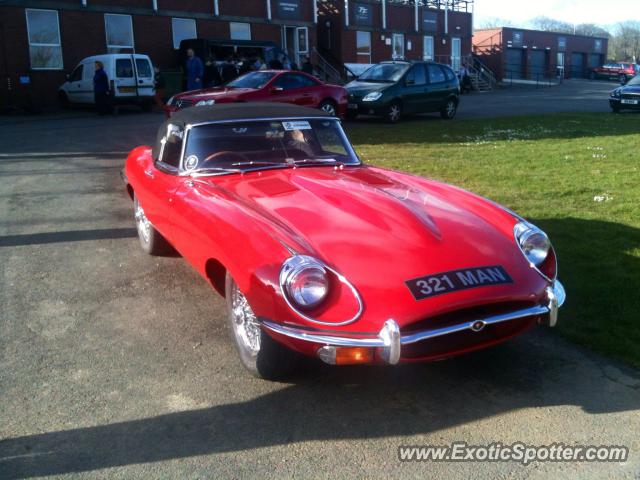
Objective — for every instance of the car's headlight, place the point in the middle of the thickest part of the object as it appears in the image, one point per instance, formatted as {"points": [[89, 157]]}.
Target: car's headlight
{"points": [[203, 103], [615, 93], [304, 280], [533, 242], [170, 101], [372, 97]]}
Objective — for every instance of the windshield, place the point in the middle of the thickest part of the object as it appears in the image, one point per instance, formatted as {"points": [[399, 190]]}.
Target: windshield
{"points": [[634, 81], [220, 148], [253, 80], [384, 72]]}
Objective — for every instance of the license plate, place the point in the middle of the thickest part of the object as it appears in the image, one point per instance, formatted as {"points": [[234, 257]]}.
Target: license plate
{"points": [[630, 102], [127, 89], [352, 106], [447, 282]]}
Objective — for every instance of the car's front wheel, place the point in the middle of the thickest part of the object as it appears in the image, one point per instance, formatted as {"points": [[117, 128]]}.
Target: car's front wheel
{"points": [[151, 241], [394, 112], [328, 107], [260, 354], [449, 110], [615, 109]]}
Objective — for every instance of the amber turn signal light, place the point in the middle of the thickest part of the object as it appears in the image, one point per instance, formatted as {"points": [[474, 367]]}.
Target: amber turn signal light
{"points": [[346, 355]]}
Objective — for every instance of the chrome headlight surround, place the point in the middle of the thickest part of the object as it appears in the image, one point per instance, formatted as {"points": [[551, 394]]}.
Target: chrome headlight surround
{"points": [[171, 100], [205, 103], [615, 93], [304, 281], [535, 246], [372, 97], [293, 268]]}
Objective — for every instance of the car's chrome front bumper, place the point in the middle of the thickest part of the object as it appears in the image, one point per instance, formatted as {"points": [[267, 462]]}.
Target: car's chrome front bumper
{"points": [[389, 340]]}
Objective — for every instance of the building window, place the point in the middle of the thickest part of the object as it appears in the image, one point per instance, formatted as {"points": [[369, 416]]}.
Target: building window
{"points": [[119, 31], [363, 47], [183, 29], [43, 30], [427, 48], [240, 31]]}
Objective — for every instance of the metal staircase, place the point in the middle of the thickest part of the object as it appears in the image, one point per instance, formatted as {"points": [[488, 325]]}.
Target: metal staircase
{"points": [[482, 78]]}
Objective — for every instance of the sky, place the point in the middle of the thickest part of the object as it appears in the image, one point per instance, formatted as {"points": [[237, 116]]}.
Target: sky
{"points": [[600, 12]]}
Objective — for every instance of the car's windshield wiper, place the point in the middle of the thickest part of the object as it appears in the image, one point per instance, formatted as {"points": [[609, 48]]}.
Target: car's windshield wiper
{"points": [[208, 170], [253, 162], [331, 161]]}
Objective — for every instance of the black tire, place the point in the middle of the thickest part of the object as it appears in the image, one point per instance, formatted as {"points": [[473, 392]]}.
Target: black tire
{"points": [[63, 99], [394, 112], [449, 110], [329, 106], [271, 360], [615, 109], [147, 106], [351, 114], [151, 241]]}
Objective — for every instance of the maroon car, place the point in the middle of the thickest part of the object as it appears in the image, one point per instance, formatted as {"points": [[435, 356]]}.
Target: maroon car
{"points": [[615, 71], [282, 86]]}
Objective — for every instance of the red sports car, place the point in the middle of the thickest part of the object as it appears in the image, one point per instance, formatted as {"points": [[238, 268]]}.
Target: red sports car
{"points": [[282, 86], [318, 254]]}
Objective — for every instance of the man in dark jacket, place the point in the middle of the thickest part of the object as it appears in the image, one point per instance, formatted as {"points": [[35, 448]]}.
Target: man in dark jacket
{"points": [[101, 89], [307, 67], [195, 71]]}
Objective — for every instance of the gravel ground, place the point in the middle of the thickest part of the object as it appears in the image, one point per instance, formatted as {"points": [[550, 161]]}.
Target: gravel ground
{"points": [[114, 364]]}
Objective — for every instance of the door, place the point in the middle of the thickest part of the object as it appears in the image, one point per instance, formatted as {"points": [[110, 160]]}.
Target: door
{"points": [[560, 64], [289, 41], [456, 54], [125, 85], [577, 65], [427, 48], [438, 87], [398, 46], [363, 47], [538, 64], [144, 73], [302, 45], [293, 88], [414, 91], [514, 64], [595, 60], [74, 85]]}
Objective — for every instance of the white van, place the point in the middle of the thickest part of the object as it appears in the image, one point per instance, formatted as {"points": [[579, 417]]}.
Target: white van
{"points": [[130, 77]]}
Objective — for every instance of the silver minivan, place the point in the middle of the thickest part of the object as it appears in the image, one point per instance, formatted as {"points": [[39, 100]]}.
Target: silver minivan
{"points": [[131, 79]]}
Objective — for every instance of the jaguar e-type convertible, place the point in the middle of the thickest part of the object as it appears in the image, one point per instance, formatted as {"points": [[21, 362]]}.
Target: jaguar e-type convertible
{"points": [[320, 255]]}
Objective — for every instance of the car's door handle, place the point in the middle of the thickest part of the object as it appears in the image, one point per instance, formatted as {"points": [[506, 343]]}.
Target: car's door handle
{"points": [[149, 173], [306, 94]]}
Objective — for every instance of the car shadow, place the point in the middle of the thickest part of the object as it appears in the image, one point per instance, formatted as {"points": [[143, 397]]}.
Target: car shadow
{"points": [[539, 369]]}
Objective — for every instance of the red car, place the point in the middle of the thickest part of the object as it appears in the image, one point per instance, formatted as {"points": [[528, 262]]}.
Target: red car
{"points": [[615, 71], [318, 254], [282, 86]]}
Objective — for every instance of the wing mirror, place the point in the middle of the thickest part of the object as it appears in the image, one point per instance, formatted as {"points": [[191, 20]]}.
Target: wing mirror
{"points": [[409, 81]]}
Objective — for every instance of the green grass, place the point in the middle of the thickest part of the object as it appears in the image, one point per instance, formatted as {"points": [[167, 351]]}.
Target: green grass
{"points": [[548, 169]]}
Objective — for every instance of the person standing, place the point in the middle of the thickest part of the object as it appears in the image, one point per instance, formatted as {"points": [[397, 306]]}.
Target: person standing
{"points": [[195, 71], [101, 89], [160, 86]]}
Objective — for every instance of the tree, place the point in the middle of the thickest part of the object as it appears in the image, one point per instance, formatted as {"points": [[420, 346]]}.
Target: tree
{"points": [[625, 43], [551, 25], [591, 30], [496, 22]]}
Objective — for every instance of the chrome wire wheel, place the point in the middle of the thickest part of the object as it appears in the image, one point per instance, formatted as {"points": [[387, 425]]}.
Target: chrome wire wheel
{"points": [[244, 322], [143, 224], [328, 107]]}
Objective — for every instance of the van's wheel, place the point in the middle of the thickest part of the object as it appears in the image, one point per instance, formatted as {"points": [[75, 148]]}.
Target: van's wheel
{"points": [[146, 106], [449, 110], [151, 241], [329, 107], [394, 112], [63, 99], [260, 354]]}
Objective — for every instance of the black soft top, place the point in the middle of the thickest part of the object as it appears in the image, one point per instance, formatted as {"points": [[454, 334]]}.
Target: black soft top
{"points": [[233, 111]]}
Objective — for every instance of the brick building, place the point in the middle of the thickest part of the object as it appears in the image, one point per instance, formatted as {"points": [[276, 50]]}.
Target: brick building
{"points": [[516, 53], [43, 40], [369, 31]]}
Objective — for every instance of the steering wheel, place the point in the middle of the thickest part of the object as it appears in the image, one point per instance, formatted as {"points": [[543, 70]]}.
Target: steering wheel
{"points": [[213, 156]]}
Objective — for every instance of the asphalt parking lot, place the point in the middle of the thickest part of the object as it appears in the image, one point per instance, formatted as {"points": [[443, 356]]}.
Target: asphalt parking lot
{"points": [[114, 364]]}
